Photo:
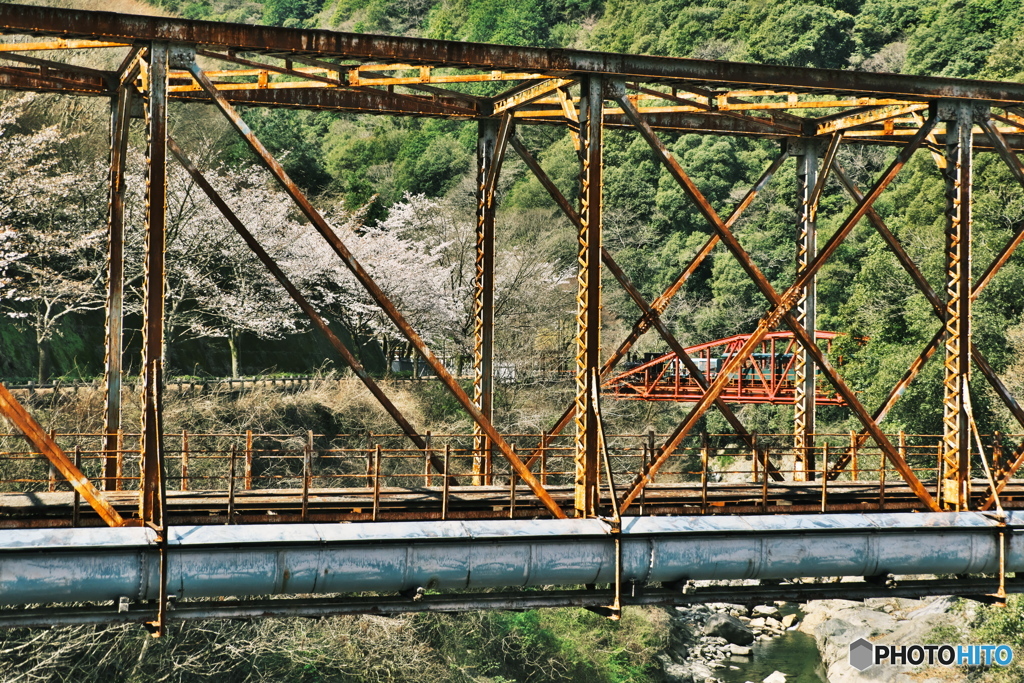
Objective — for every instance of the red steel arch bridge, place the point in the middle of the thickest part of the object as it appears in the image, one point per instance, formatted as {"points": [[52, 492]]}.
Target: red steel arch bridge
{"points": [[120, 519]]}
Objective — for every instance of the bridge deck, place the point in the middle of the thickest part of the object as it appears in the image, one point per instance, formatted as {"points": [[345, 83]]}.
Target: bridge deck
{"points": [[57, 509]]}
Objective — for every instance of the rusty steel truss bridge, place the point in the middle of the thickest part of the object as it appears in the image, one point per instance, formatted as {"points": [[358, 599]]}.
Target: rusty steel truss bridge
{"points": [[120, 520]]}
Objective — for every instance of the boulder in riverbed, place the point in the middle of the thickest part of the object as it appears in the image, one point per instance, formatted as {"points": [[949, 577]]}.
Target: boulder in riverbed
{"points": [[730, 628], [766, 611]]}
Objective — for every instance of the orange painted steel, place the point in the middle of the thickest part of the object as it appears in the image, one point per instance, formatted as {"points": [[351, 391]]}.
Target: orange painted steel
{"points": [[766, 377]]}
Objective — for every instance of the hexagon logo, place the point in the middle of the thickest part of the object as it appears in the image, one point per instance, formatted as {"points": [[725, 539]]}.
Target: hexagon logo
{"points": [[862, 654]]}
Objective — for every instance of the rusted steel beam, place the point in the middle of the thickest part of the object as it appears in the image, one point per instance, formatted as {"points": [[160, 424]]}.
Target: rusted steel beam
{"points": [[36, 80], [47, 65], [365, 100], [956, 436], [491, 135], [534, 92], [474, 100], [588, 295], [41, 441], [318, 322], [412, 103], [59, 44], [119, 127], [780, 305], [704, 103], [152, 474], [1001, 259], [1004, 151], [863, 117], [805, 375], [263, 66], [375, 291], [68, 23], [661, 303]]}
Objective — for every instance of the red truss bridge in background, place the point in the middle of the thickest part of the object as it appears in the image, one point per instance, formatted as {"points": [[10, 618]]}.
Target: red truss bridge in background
{"points": [[768, 376]]}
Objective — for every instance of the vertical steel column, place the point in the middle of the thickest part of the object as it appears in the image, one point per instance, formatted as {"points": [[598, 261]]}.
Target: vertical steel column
{"points": [[956, 433], [806, 310], [153, 288], [483, 302], [119, 120], [588, 297]]}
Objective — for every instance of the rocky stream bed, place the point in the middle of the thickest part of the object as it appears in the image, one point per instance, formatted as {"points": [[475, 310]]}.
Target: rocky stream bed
{"points": [[732, 643]]}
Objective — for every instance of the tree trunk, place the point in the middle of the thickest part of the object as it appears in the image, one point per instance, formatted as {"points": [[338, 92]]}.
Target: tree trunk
{"points": [[233, 342], [43, 366]]}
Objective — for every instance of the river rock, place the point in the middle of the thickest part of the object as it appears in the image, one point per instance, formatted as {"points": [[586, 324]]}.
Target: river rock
{"points": [[766, 611], [836, 623], [773, 624], [756, 623], [740, 650], [730, 628], [776, 677], [700, 672], [788, 620]]}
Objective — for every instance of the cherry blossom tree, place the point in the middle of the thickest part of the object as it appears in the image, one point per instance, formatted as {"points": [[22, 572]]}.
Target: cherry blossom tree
{"points": [[530, 290], [215, 287], [52, 231], [412, 274]]}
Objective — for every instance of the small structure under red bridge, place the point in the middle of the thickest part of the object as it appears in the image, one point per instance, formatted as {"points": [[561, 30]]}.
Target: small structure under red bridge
{"points": [[767, 376]]}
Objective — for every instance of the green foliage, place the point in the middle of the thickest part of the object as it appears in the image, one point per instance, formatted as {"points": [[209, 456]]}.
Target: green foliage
{"points": [[294, 137], [535, 646], [506, 22], [1002, 626], [290, 12], [802, 35]]}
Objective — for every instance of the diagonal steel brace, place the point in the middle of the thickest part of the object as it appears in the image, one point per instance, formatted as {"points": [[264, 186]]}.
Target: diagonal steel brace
{"points": [[378, 295], [781, 305], [41, 441]]}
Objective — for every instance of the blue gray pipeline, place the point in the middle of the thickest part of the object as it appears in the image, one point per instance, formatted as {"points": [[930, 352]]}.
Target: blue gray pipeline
{"points": [[99, 564]]}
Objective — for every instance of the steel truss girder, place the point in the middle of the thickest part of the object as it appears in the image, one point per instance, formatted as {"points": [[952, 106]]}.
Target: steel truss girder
{"points": [[492, 139], [381, 299], [956, 437], [806, 311], [68, 23], [781, 305], [651, 316], [120, 117], [314, 317], [151, 490]]}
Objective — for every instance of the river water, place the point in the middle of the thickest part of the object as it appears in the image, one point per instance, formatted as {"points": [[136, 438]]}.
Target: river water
{"points": [[793, 653]]}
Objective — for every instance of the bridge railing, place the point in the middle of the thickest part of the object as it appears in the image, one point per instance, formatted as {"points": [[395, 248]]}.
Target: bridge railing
{"points": [[250, 461]]}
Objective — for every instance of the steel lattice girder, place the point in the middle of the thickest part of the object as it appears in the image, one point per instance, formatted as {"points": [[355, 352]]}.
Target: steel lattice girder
{"points": [[349, 72]]}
